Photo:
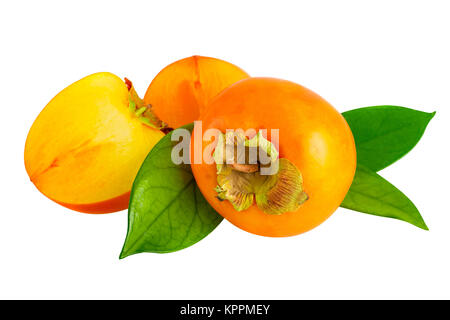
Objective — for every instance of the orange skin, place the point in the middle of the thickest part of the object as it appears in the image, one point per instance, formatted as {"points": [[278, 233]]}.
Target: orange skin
{"points": [[111, 205], [312, 135], [180, 92]]}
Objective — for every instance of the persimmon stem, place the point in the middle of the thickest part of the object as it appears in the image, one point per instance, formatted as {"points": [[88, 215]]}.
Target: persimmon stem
{"points": [[143, 111]]}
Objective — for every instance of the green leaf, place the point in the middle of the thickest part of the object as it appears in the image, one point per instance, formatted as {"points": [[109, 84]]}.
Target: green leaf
{"points": [[370, 193], [384, 134], [167, 211]]}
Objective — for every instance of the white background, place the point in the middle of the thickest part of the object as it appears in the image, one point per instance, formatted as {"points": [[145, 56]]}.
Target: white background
{"points": [[353, 53]]}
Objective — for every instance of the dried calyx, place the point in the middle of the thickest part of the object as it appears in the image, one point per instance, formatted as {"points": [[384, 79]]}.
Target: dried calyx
{"points": [[250, 170], [142, 111]]}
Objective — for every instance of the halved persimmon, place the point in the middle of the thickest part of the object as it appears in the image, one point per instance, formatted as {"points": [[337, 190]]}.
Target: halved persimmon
{"points": [[86, 146]]}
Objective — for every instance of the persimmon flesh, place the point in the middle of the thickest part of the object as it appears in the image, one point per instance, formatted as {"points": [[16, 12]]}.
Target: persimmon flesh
{"points": [[313, 137], [86, 146]]}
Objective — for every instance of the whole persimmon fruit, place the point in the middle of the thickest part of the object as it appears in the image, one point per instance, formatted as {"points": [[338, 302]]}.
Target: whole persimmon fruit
{"points": [[311, 162], [179, 93], [86, 146]]}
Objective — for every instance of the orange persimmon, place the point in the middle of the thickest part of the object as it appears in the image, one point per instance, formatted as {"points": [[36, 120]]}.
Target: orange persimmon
{"points": [[179, 93], [86, 146], [316, 154]]}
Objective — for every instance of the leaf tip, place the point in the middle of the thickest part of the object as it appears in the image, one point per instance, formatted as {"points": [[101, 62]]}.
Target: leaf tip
{"points": [[420, 223], [122, 256], [423, 226], [124, 253], [432, 114]]}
